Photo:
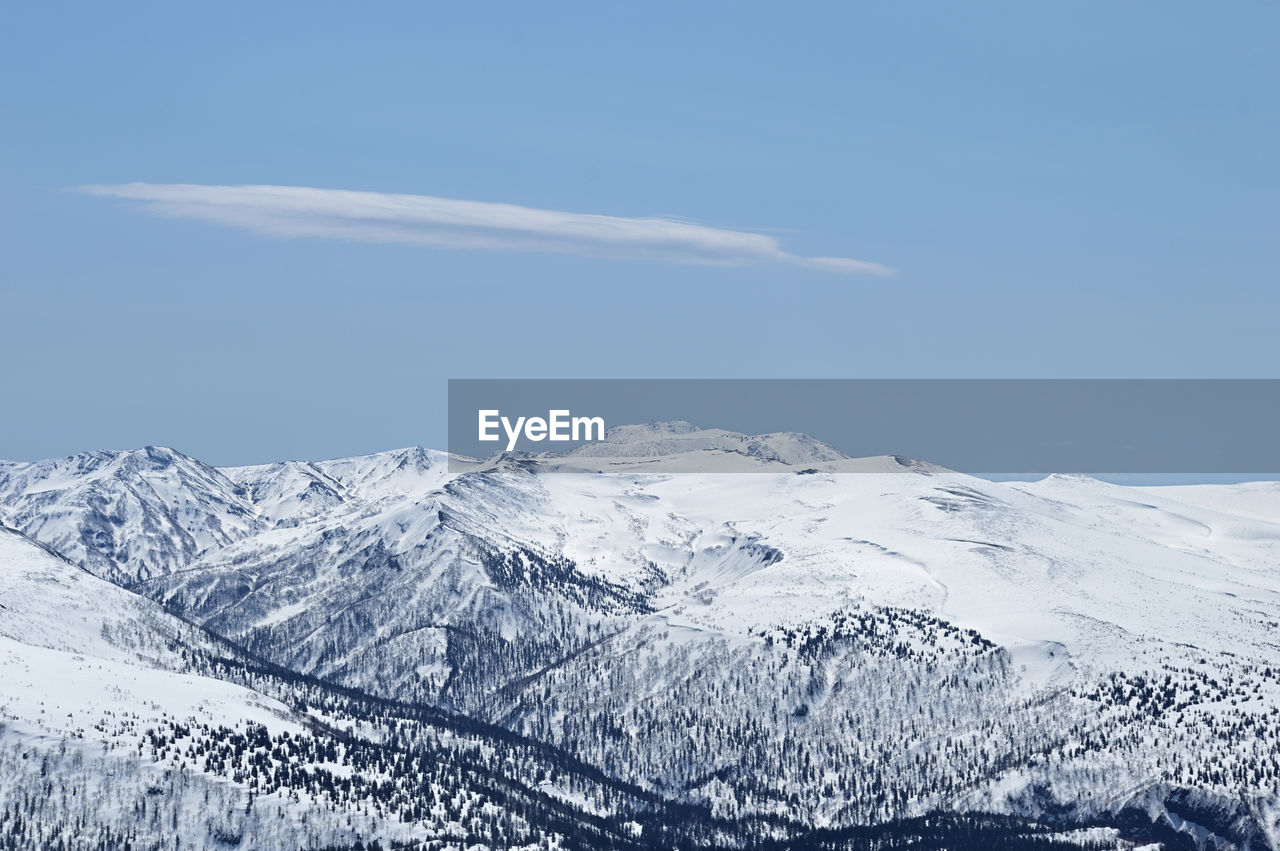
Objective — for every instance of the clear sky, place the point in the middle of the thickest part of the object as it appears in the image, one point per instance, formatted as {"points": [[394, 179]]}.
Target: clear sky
{"points": [[1061, 190]]}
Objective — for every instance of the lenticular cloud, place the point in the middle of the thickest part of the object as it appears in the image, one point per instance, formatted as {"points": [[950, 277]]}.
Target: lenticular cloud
{"points": [[303, 211]]}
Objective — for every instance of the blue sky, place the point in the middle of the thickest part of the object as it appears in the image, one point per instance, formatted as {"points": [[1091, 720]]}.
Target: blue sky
{"points": [[1063, 190]]}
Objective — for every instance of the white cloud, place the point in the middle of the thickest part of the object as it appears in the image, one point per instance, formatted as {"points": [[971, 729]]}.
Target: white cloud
{"points": [[298, 211]]}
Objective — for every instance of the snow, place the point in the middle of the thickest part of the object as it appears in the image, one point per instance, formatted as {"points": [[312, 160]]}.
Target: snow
{"points": [[655, 440], [1066, 571], [57, 693], [357, 568], [61, 670]]}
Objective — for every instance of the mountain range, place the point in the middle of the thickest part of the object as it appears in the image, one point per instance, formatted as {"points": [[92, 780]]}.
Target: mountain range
{"points": [[635, 645]]}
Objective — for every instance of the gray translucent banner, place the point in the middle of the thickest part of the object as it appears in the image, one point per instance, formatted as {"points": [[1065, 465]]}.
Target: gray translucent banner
{"points": [[980, 426]]}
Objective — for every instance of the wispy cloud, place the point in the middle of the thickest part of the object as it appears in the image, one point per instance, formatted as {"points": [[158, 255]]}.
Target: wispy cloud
{"points": [[302, 211]]}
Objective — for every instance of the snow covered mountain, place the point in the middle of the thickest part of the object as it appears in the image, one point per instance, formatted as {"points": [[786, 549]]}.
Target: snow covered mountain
{"points": [[123, 726], [804, 654], [126, 515], [653, 440]]}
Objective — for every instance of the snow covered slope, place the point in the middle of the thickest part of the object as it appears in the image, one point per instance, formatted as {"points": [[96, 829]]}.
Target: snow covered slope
{"points": [[122, 726], [47, 601], [87, 669]]}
